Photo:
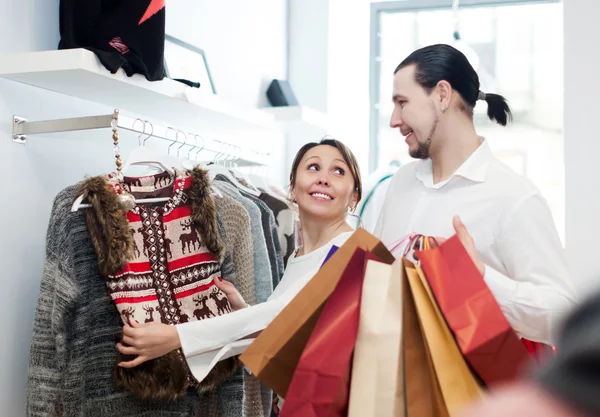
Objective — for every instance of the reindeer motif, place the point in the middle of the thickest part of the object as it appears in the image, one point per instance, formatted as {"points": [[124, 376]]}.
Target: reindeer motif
{"points": [[182, 316], [223, 305], [161, 178], [168, 243], [141, 231], [128, 314], [136, 183], [203, 312], [150, 311], [136, 249], [190, 239]]}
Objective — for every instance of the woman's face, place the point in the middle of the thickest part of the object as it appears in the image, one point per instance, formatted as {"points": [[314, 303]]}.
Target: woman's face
{"points": [[324, 187]]}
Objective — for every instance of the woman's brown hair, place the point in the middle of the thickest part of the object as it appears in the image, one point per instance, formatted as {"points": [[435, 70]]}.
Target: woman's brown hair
{"points": [[347, 154]]}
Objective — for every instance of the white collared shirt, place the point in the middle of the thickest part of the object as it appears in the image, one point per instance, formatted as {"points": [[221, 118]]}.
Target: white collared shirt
{"points": [[511, 225]]}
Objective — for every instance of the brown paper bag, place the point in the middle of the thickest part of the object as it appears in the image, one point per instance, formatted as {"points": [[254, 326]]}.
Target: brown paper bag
{"points": [[377, 387], [457, 383], [275, 353], [423, 396]]}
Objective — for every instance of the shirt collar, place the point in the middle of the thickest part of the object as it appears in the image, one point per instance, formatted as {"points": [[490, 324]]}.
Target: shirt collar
{"points": [[474, 168]]}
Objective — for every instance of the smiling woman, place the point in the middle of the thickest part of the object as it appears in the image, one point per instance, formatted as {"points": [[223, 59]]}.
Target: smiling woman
{"points": [[325, 185]]}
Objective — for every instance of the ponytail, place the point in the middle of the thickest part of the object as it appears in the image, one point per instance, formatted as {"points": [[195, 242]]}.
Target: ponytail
{"points": [[498, 109]]}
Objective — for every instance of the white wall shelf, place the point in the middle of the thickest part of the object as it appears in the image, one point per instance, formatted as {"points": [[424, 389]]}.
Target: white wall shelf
{"points": [[79, 73]]}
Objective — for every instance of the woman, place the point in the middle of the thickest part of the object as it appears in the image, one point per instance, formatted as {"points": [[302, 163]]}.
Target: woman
{"points": [[325, 185]]}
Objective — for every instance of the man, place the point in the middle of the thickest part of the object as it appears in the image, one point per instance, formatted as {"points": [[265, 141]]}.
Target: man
{"points": [[513, 240]]}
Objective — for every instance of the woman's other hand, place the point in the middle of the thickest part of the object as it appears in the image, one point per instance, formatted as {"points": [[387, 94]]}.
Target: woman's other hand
{"points": [[148, 341], [235, 298]]}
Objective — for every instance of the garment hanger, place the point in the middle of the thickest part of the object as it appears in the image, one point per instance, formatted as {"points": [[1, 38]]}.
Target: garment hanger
{"points": [[215, 169], [241, 174], [189, 163], [78, 203], [143, 155]]}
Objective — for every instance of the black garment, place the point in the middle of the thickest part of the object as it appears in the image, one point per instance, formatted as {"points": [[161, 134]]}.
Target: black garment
{"points": [[122, 33], [573, 375], [285, 219]]}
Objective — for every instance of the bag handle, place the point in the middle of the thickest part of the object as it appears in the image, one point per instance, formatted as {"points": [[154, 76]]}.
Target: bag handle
{"points": [[397, 243]]}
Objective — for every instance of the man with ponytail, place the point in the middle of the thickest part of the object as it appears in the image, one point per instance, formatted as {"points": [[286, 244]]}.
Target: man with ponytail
{"points": [[457, 185]]}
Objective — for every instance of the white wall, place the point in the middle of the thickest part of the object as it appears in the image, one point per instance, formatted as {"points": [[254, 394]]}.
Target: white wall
{"points": [[582, 140], [244, 54], [245, 42], [329, 66]]}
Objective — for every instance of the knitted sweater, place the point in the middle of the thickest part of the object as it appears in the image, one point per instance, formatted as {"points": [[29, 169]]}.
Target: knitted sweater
{"points": [[236, 222], [262, 269], [285, 218], [76, 327], [72, 368]]}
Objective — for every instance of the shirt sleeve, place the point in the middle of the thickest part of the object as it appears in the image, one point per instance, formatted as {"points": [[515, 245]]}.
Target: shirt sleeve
{"points": [[537, 291], [198, 337], [572, 375]]}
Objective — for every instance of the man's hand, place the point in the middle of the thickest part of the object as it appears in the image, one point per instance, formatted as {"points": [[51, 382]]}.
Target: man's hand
{"points": [[235, 298], [467, 241]]}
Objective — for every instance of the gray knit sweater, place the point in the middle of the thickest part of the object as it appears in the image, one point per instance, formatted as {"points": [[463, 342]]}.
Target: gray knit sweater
{"points": [[262, 268], [75, 331]]}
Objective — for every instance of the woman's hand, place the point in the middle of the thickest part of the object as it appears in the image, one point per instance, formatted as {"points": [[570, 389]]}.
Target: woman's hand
{"points": [[235, 298], [148, 341]]}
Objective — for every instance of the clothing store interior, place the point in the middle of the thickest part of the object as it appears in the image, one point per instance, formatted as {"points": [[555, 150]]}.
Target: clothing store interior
{"points": [[149, 146]]}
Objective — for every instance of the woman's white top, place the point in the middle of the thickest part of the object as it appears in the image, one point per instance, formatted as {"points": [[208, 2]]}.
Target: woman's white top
{"points": [[206, 342]]}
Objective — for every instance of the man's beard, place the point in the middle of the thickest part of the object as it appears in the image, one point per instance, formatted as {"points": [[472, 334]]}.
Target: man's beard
{"points": [[423, 148]]}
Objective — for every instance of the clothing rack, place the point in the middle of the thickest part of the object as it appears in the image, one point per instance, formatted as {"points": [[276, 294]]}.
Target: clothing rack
{"points": [[147, 130]]}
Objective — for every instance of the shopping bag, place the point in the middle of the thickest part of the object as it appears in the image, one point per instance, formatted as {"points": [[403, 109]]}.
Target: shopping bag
{"points": [[377, 387], [483, 334], [422, 393], [539, 352], [320, 384], [457, 383], [275, 353]]}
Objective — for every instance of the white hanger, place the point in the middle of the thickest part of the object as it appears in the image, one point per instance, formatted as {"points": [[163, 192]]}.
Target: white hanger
{"points": [[194, 162], [143, 155], [214, 169], [140, 155], [240, 174]]}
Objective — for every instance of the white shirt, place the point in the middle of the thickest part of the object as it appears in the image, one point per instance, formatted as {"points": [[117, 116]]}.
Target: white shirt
{"points": [[206, 342], [511, 225]]}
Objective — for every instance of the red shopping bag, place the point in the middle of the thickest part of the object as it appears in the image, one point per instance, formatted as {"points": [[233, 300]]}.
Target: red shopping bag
{"points": [[486, 339], [540, 352], [320, 386]]}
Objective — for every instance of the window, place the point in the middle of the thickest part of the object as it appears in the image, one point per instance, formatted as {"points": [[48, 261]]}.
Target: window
{"points": [[517, 50]]}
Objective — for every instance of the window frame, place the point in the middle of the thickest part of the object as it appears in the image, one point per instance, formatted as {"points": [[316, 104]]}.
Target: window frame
{"points": [[377, 9]]}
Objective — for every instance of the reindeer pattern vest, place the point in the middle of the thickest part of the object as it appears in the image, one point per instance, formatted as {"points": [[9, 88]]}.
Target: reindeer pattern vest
{"points": [[159, 261]]}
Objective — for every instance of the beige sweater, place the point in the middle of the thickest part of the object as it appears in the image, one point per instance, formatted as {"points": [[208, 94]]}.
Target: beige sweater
{"points": [[236, 221]]}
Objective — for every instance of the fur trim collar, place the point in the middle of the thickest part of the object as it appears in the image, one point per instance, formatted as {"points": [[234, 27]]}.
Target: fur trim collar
{"points": [[167, 377], [109, 229]]}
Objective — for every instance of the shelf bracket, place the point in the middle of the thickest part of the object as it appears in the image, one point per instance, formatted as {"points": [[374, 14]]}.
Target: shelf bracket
{"points": [[17, 132]]}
